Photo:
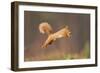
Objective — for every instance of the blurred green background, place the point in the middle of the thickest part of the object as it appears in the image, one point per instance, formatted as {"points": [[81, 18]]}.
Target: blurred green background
{"points": [[76, 47]]}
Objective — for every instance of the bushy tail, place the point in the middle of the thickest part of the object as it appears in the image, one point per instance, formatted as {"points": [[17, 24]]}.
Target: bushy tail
{"points": [[45, 28]]}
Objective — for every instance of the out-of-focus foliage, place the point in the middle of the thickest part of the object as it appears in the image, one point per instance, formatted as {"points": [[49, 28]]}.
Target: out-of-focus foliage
{"points": [[83, 54], [86, 51]]}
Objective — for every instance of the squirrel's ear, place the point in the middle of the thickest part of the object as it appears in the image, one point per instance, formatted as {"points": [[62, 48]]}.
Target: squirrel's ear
{"points": [[66, 26]]}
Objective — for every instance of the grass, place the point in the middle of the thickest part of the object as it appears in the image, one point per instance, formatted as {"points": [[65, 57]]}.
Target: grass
{"points": [[83, 54]]}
